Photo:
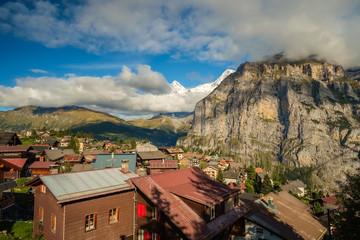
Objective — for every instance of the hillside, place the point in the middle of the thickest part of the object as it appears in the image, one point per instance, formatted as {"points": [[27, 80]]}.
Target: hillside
{"points": [[33, 117], [302, 114], [165, 123]]}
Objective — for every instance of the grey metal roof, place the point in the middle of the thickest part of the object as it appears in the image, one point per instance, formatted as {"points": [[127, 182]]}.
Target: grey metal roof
{"points": [[66, 187]]}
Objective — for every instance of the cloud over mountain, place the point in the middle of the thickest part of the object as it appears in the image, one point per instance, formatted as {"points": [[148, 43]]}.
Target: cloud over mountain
{"points": [[129, 93], [204, 30]]}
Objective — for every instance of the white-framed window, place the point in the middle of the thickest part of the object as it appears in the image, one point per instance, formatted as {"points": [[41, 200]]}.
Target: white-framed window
{"points": [[42, 188], [143, 234], [53, 222], [41, 214], [212, 212], [114, 215], [154, 212], [90, 222]]}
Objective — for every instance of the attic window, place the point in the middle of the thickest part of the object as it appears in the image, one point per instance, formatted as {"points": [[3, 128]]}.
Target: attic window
{"points": [[212, 212], [141, 210], [43, 188]]}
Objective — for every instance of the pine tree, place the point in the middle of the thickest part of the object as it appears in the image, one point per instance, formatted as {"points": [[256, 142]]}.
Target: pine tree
{"points": [[347, 222], [249, 186], [317, 209], [251, 172], [220, 176], [74, 144], [133, 143], [266, 185]]}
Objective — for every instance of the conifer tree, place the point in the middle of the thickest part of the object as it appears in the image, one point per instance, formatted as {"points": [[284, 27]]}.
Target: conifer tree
{"points": [[251, 172], [266, 185], [220, 176]]}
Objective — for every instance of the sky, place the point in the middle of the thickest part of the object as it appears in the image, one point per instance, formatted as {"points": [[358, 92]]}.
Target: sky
{"points": [[120, 56]]}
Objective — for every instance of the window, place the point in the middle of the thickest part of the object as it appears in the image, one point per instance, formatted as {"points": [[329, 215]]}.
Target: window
{"points": [[43, 188], [41, 214], [212, 212], [114, 215], [155, 236], [141, 210], [154, 212], [53, 222], [90, 222], [143, 235]]}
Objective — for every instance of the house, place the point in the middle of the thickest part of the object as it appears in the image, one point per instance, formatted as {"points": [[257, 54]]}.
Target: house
{"points": [[185, 162], [231, 176], [281, 216], [39, 150], [82, 167], [58, 154], [44, 168], [94, 204], [296, 187], [210, 170], [53, 143], [7, 199], [16, 168], [9, 139], [17, 152], [73, 159], [144, 158], [160, 166], [175, 153], [116, 160], [185, 204]]}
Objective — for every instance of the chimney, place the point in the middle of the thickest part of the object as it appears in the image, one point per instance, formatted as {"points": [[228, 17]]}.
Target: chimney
{"points": [[271, 202], [112, 155], [41, 159]]}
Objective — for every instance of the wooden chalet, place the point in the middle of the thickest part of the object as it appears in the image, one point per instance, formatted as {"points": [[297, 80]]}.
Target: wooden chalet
{"points": [[160, 166], [96, 204], [143, 158], [280, 216], [185, 204], [73, 159], [9, 139], [7, 199], [40, 168]]}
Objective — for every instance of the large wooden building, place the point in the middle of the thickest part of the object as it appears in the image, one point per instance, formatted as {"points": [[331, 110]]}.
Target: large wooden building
{"points": [[185, 204], [94, 204]]}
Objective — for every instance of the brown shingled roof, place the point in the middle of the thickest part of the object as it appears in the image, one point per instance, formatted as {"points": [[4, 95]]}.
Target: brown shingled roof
{"points": [[163, 164], [42, 165], [15, 148], [165, 190], [286, 219]]}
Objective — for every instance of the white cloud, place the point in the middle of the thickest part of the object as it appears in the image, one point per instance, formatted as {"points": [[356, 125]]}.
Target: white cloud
{"points": [[143, 92], [38, 71], [207, 30]]}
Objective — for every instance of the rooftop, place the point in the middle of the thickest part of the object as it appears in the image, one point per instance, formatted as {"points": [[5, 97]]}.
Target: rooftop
{"points": [[15, 148], [20, 162], [285, 218], [72, 186], [151, 155], [163, 164], [191, 183], [42, 165]]}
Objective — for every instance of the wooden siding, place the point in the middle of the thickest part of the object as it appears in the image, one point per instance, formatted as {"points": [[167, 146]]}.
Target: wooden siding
{"points": [[40, 171], [70, 217], [123, 229], [164, 227]]}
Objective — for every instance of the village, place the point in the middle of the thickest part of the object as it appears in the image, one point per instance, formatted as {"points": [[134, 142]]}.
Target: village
{"points": [[72, 187]]}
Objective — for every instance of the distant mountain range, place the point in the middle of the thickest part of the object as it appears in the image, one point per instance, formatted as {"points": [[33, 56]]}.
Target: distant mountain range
{"points": [[161, 130]]}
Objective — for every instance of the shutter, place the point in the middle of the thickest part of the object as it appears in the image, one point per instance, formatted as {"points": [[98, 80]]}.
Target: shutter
{"points": [[141, 212], [146, 235]]}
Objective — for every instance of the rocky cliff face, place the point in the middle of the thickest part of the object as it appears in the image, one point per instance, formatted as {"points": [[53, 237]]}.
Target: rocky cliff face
{"points": [[301, 114]]}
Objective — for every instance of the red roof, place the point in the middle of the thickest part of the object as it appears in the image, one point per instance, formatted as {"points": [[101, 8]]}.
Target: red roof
{"points": [[20, 162], [258, 170], [329, 200], [14, 148], [164, 190], [166, 164], [43, 165]]}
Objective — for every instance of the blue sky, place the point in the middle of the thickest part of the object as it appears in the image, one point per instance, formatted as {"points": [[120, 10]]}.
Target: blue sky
{"points": [[122, 56]]}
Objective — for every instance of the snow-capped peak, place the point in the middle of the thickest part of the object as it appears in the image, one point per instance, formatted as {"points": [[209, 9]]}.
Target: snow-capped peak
{"points": [[203, 88], [178, 88]]}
